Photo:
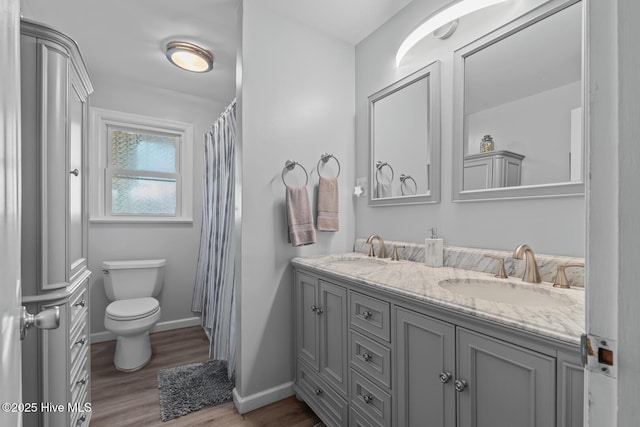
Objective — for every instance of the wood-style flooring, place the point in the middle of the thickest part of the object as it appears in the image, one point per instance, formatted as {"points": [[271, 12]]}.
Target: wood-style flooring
{"points": [[131, 399]]}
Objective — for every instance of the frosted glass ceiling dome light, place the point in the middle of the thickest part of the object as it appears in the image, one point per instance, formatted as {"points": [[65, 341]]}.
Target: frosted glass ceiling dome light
{"points": [[438, 20], [189, 56]]}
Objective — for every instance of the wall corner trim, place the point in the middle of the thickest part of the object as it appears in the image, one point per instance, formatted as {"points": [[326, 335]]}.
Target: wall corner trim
{"points": [[263, 398]]}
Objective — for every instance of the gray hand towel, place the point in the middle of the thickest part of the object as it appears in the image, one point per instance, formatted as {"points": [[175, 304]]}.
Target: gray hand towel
{"points": [[328, 204], [383, 189], [299, 218]]}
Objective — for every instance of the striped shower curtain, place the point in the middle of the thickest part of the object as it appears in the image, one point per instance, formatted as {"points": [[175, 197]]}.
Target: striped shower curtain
{"points": [[213, 294]]}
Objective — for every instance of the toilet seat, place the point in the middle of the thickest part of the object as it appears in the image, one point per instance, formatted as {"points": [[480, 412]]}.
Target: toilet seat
{"points": [[132, 309]]}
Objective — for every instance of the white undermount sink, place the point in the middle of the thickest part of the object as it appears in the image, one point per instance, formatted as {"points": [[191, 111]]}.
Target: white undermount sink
{"points": [[507, 292], [358, 261]]}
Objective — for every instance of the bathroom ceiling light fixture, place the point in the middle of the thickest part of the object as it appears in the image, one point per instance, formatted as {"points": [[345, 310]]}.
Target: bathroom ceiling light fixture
{"points": [[189, 56], [440, 19]]}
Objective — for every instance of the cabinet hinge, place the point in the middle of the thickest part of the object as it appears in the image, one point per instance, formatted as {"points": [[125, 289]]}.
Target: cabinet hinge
{"points": [[599, 354]]}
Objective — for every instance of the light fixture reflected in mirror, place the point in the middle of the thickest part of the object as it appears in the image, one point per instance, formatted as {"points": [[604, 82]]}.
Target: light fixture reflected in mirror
{"points": [[189, 56], [439, 20]]}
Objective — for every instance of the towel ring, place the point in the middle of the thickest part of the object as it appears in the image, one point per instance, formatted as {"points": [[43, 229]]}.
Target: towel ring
{"points": [[290, 165], [324, 159], [403, 178], [379, 166]]}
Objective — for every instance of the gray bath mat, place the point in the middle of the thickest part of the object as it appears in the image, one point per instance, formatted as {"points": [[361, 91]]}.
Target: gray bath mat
{"points": [[188, 388]]}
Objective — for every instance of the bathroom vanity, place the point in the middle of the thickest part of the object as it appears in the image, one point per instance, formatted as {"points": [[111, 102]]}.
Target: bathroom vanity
{"points": [[55, 90], [396, 343]]}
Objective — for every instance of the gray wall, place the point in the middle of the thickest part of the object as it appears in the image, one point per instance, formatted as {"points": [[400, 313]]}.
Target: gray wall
{"points": [[552, 225], [177, 243], [296, 103]]}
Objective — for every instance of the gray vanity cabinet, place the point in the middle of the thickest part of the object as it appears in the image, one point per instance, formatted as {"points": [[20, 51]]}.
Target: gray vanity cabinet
{"points": [[452, 376], [425, 351], [321, 346], [504, 384], [414, 364]]}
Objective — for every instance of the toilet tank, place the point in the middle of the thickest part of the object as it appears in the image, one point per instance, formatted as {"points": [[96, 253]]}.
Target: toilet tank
{"points": [[133, 279]]}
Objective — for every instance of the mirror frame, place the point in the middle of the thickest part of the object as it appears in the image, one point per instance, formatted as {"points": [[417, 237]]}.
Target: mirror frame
{"points": [[563, 189], [431, 71]]}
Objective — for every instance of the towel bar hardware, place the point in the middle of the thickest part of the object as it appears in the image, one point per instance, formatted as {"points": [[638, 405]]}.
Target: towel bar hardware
{"points": [[403, 179], [289, 165], [379, 166], [324, 159]]}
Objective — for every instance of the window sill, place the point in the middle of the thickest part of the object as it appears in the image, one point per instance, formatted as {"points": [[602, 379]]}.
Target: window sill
{"points": [[140, 220]]}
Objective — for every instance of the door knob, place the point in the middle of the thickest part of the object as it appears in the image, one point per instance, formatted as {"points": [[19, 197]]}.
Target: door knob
{"points": [[47, 319]]}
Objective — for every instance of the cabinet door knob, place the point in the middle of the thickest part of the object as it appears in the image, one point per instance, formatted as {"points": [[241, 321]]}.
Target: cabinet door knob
{"points": [[367, 357], [318, 392], [367, 398], [81, 303], [81, 341], [460, 385], [444, 377], [366, 315], [75, 172], [314, 308], [319, 311], [83, 381]]}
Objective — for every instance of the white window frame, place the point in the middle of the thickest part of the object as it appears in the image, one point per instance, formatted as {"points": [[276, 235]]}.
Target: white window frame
{"points": [[100, 178]]}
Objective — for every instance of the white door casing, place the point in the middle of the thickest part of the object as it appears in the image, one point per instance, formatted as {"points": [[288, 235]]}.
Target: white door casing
{"points": [[10, 307]]}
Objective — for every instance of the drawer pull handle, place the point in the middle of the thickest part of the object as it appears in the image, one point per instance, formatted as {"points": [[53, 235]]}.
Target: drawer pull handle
{"points": [[318, 392], [460, 385], [81, 341], [367, 398], [445, 377], [367, 357], [366, 315], [80, 303], [82, 381]]}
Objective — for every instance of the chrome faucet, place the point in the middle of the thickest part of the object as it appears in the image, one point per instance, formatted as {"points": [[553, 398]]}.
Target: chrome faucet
{"points": [[383, 250], [531, 273]]}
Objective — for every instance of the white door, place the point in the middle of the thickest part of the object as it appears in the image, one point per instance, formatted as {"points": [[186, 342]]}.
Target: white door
{"points": [[10, 309]]}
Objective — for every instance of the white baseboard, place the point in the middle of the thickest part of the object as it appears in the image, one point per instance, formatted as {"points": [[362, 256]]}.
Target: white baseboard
{"points": [[159, 327], [258, 400]]}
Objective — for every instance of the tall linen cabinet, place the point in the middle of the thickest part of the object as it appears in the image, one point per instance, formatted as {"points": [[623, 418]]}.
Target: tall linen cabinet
{"points": [[55, 90]]}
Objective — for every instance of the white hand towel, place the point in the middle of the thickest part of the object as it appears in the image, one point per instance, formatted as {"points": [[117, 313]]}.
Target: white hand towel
{"points": [[299, 218], [328, 204]]}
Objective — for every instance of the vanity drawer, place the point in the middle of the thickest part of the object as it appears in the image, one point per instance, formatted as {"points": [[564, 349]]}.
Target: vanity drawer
{"points": [[371, 358], [79, 340], [370, 399], [78, 303], [358, 420], [321, 397], [371, 315]]}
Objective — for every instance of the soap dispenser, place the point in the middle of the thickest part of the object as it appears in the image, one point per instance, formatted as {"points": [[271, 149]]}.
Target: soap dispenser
{"points": [[433, 250]]}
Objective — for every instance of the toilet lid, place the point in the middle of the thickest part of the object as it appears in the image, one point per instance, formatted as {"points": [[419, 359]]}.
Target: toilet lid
{"points": [[131, 309]]}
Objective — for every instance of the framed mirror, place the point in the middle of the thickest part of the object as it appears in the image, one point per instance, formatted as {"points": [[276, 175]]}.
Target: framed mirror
{"points": [[518, 116], [404, 140]]}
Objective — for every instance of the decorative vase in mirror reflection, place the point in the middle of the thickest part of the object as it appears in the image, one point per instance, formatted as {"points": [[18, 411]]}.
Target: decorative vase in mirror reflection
{"points": [[486, 144]]}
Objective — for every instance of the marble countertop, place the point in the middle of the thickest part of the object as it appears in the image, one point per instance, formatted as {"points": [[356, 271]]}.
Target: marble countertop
{"points": [[417, 281]]}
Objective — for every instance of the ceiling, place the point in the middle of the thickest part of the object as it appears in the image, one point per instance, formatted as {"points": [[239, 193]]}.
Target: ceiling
{"points": [[125, 40]]}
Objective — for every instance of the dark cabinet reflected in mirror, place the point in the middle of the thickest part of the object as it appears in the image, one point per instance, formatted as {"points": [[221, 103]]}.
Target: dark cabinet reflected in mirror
{"points": [[518, 120], [404, 140]]}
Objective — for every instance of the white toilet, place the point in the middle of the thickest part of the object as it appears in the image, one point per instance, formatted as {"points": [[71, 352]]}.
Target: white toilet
{"points": [[131, 285]]}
